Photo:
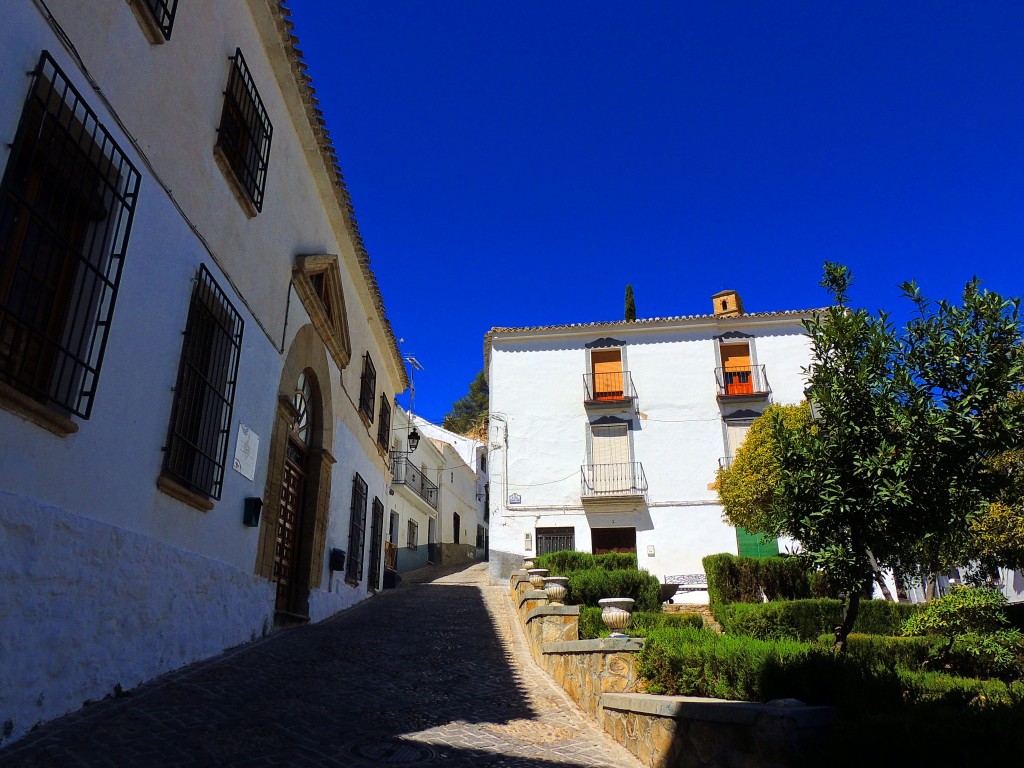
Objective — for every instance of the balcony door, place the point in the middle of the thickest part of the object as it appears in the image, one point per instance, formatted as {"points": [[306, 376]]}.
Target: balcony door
{"points": [[606, 365], [736, 369], [611, 462]]}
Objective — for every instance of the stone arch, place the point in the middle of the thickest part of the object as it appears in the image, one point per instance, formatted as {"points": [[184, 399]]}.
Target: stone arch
{"points": [[305, 355]]}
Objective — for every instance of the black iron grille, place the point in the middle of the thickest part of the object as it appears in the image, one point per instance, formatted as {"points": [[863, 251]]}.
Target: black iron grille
{"points": [[67, 200], [357, 530], [376, 542], [197, 442], [162, 12], [245, 131], [384, 422], [367, 387]]}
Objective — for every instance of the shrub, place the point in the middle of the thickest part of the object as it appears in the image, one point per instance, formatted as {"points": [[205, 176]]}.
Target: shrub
{"points": [[565, 561], [885, 652], [589, 586], [806, 619], [616, 561], [733, 579], [640, 623]]}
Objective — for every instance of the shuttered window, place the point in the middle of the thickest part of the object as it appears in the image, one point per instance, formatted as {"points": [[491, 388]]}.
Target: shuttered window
{"points": [[357, 531]]}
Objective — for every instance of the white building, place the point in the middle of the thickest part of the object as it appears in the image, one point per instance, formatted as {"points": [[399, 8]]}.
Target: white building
{"points": [[189, 330], [437, 502], [607, 436]]}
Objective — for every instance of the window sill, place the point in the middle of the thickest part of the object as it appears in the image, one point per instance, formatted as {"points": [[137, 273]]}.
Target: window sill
{"points": [[149, 26], [181, 493], [34, 411], [236, 186]]}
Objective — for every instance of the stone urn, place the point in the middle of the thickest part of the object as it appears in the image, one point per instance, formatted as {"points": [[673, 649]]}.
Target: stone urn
{"points": [[615, 613], [556, 587], [537, 577], [527, 563]]}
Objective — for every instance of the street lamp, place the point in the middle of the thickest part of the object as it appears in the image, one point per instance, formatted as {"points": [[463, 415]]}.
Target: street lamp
{"points": [[414, 440]]}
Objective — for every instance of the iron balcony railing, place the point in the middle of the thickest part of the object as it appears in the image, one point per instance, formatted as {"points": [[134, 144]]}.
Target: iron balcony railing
{"points": [[612, 387], [404, 472], [742, 381], [725, 462], [613, 481]]}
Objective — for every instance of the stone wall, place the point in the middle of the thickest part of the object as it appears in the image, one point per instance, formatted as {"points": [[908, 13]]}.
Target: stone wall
{"points": [[662, 731]]}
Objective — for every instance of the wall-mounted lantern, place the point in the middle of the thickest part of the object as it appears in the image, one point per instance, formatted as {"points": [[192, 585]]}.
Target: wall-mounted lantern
{"points": [[414, 440]]}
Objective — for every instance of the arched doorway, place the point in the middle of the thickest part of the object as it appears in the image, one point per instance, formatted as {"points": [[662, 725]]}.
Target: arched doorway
{"points": [[293, 530]]}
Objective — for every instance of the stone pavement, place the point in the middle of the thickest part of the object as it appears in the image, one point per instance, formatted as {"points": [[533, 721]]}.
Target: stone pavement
{"points": [[435, 672]]}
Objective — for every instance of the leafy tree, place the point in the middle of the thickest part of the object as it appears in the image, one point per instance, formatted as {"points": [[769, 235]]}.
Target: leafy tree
{"points": [[892, 471], [996, 536], [630, 304], [468, 415]]}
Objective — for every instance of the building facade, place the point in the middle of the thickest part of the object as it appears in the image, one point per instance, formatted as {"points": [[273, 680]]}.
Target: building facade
{"points": [[196, 368], [607, 436]]}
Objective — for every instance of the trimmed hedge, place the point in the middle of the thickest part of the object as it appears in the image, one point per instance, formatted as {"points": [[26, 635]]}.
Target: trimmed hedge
{"points": [[733, 579], [807, 619], [587, 587], [910, 653], [640, 623], [568, 561]]}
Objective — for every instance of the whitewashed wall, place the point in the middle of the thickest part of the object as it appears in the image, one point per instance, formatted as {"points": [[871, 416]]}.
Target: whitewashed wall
{"points": [[539, 426]]}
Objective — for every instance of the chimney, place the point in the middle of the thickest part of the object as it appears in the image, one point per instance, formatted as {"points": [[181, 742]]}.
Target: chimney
{"points": [[727, 304]]}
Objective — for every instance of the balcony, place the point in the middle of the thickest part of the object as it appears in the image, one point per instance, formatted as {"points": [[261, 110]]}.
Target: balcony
{"points": [[725, 462], [601, 483], [742, 383], [608, 389], [404, 472]]}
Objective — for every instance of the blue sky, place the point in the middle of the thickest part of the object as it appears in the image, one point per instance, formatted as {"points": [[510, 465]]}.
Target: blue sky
{"points": [[518, 163]]}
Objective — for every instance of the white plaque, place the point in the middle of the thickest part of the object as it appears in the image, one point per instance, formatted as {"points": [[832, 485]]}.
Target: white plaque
{"points": [[247, 448]]}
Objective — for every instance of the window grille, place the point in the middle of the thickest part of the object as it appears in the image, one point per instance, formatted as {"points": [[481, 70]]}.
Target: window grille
{"points": [[162, 13], [197, 442], [384, 422], [555, 539], [245, 131], [357, 530], [412, 535], [376, 542], [367, 387], [67, 200]]}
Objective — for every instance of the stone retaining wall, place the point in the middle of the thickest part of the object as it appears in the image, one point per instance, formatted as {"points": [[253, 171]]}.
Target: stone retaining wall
{"points": [[662, 731]]}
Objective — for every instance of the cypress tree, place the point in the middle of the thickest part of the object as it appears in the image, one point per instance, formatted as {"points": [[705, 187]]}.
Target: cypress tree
{"points": [[630, 304]]}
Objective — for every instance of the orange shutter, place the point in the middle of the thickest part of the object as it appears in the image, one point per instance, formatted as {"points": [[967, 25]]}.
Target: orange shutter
{"points": [[607, 365]]}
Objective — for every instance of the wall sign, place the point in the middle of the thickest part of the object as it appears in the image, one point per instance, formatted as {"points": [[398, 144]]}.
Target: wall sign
{"points": [[247, 448], [515, 498]]}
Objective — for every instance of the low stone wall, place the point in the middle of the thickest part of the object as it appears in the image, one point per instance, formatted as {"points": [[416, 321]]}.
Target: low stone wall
{"points": [[662, 731]]}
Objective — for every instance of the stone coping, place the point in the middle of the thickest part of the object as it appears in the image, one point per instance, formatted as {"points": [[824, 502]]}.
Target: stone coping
{"points": [[533, 594], [552, 610], [718, 710], [600, 645]]}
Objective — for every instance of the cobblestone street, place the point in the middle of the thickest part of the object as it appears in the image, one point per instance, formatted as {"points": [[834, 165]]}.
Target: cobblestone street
{"points": [[434, 672]]}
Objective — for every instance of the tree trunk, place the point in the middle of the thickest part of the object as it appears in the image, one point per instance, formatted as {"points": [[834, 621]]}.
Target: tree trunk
{"points": [[852, 608], [879, 579]]}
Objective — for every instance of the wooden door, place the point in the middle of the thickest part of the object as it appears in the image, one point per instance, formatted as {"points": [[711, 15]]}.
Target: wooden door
{"points": [[605, 540], [736, 369], [289, 526], [607, 369]]}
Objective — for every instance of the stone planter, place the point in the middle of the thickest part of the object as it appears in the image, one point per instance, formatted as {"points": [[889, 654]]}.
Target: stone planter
{"points": [[527, 563], [556, 586], [537, 577], [615, 613]]}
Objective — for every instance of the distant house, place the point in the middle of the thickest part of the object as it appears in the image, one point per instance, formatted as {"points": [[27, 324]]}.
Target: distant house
{"points": [[607, 436], [196, 368], [437, 505]]}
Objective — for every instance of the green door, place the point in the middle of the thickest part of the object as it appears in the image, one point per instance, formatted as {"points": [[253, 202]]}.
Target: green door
{"points": [[755, 544]]}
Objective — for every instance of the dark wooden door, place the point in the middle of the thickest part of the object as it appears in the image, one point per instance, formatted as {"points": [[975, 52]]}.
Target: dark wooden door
{"points": [[289, 526], [605, 540]]}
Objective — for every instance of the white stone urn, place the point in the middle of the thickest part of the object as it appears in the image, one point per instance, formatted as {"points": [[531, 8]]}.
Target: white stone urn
{"points": [[556, 587], [527, 562], [615, 613], [537, 577]]}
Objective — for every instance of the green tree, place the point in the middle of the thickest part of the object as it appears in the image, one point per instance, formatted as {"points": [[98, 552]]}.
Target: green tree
{"points": [[468, 415], [630, 304], [892, 470]]}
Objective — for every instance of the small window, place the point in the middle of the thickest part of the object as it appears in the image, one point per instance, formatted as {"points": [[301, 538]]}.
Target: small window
{"points": [[357, 531], [197, 442], [480, 537], [67, 200], [555, 540], [243, 138], [367, 387], [412, 535], [156, 17], [384, 422], [483, 462]]}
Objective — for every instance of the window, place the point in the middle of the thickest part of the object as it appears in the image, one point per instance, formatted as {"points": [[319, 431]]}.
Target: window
{"points": [[67, 200], [356, 531], [156, 17], [243, 138], [555, 539], [605, 540], [606, 367], [736, 369], [197, 441], [393, 528], [412, 540], [384, 423], [376, 541], [457, 525], [367, 387], [483, 462], [480, 536]]}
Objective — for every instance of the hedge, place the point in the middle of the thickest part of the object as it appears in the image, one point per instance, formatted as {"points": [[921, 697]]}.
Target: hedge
{"points": [[733, 579], [587, 587], [640, 623], [568, 561], [807, 619]]}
